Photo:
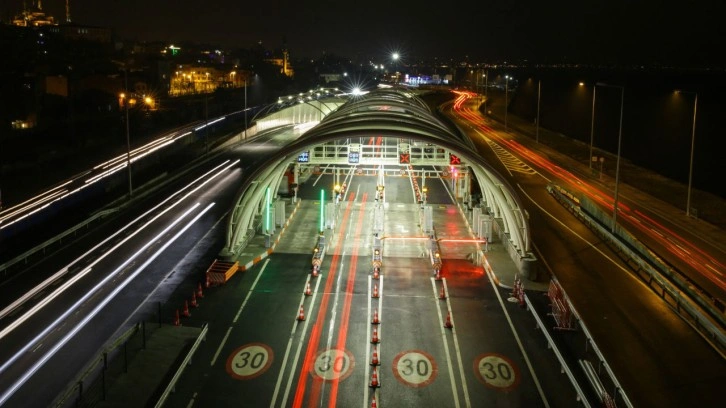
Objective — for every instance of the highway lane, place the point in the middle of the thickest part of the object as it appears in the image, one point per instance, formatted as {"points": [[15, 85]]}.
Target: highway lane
{"points": [[639, 334], [258, 354], [54, 363]]}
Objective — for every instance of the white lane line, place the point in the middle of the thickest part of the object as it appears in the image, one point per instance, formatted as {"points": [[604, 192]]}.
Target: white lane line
{"points": [[252, 288], [454, 388], [467, 401], [221, 344], [368, 349], [249, 293], [301, 340], [191, 401], [519, 342]]}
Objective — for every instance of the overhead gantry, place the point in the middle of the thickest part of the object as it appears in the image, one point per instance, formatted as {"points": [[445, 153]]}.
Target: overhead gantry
{"points": [[385, 113]]}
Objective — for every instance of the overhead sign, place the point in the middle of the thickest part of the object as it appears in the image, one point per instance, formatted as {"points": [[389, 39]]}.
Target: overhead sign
{"points": [[304, 157], [353, 157]]}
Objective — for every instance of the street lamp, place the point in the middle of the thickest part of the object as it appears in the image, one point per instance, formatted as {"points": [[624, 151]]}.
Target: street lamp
{"points": [[592, 125], [693, 144], [128, 137], [620, 137], [539, 89], [506, 101]]}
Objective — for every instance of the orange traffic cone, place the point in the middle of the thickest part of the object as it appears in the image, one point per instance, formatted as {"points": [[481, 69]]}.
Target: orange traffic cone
{"points": [[374, 359], [374, 338], [448, 323], [438, 275], [375, 317], [375, 273], [176, 318], [315, 271], [200, 294], [375, 291], [185, 312], [373, 402], [308, 291], [194, 299], [442, 294], [207, 283], [301, 315], [374, 378]]}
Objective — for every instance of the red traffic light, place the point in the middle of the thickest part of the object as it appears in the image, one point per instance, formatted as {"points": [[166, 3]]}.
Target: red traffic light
{"points": [[454, 159]]}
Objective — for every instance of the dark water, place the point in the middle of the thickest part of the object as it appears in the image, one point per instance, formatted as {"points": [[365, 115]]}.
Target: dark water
{"points": [[657, 121]]}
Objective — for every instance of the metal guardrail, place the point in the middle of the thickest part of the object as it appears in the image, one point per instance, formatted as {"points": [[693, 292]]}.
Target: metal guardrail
{"points": [[675, 289], [550, 342], [187, 361]]}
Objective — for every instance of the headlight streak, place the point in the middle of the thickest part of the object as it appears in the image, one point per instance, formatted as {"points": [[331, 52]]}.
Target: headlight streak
{"points": [[93, 290], [116, 164], [46, 356], [682, 248], [220, 169]]}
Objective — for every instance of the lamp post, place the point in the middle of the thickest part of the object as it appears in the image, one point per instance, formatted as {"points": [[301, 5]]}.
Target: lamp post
{"points": [[245, 106], [539, 89], [592, 125], [486, 90], [506, 101], [128, 137], [395, 57], [693, 145], [620, 138]]}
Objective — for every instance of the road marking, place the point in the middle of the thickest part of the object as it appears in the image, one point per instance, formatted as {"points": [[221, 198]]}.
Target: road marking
{"points": [[454, 389], [289, 347], [249, 361], [496, 371], [519, 342], [467, 401], [224, 340], [333, 364], [415, 368]]}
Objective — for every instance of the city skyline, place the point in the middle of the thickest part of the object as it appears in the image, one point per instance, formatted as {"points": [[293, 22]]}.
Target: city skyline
{"points": [[598, 32]]}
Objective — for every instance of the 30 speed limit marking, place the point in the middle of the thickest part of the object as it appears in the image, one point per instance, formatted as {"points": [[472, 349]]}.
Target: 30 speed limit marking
{"points": [[496, 371], [249, 361], [333, 364], [415, 368]]}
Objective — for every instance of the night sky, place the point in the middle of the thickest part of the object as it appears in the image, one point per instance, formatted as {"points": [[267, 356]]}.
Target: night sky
{"points": [[602, 31]]}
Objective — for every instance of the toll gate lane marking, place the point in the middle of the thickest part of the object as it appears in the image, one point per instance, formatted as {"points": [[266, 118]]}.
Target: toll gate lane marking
{"points": [[496, 371], [289, 345], [415, 368], [249, 361], [452, 377], [519, 341], [229, 330], [456, 347]]}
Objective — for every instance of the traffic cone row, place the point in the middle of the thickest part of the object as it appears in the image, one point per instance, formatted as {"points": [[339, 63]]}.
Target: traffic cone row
{"points": [[194, 302]]}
